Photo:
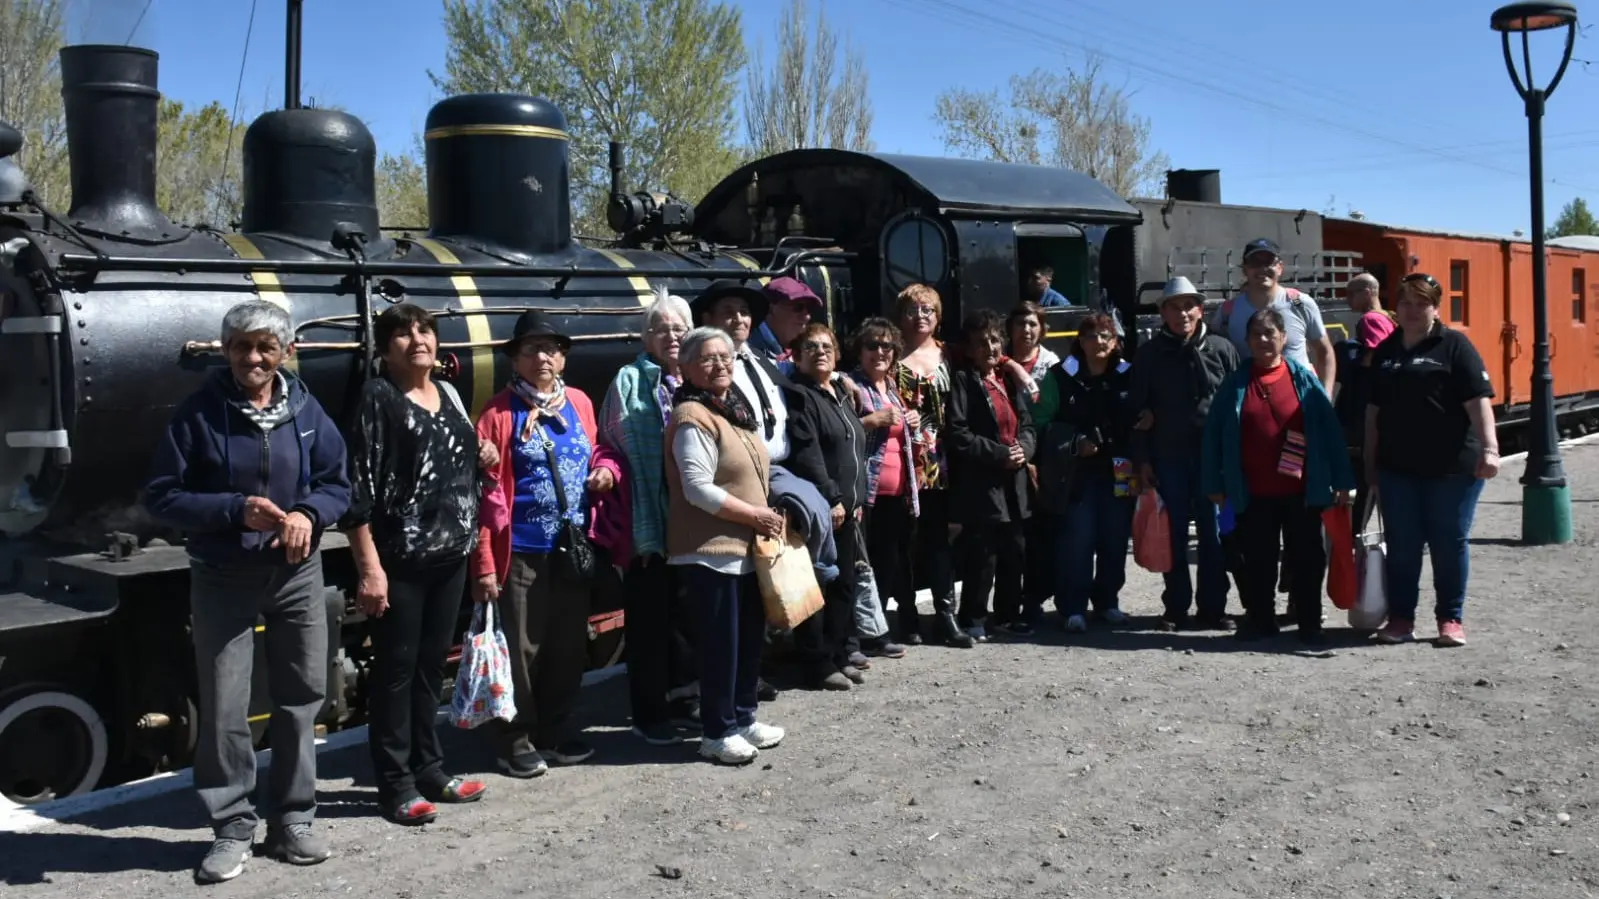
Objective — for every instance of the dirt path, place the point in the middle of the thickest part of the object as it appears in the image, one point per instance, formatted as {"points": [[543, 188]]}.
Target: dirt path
{"points": [[1128, 764]]}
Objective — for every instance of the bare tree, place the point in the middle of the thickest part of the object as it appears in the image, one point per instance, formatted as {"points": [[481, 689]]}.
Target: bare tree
{"points": [[31, 34], [1073, 120], [804, 100]]}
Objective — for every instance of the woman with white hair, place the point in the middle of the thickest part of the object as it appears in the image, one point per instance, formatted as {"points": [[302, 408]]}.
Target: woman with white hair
{"points": [[633, 420], [717, 476], [252, 471]]}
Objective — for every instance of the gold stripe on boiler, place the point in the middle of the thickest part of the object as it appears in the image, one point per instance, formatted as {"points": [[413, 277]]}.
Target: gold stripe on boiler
{"points": [[646, 294], [448, 131]]}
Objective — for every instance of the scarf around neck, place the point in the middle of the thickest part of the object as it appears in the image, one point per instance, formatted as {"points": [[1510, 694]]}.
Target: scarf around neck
{"points": [[540, 404], [734, 407]]}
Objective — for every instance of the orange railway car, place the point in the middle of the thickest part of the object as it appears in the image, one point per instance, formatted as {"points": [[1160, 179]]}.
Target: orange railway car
{"points": [[1487, 282]]}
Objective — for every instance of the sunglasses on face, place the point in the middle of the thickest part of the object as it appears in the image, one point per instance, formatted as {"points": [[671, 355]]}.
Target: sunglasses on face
{"points": [[878, 346], [812, 346]]}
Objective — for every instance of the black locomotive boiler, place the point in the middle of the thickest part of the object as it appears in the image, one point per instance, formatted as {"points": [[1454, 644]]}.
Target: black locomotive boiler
{"points": [[110, 317]]}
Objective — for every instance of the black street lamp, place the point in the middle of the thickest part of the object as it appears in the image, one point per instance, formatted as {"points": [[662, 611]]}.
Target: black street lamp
{"points": [[1545, 497]]}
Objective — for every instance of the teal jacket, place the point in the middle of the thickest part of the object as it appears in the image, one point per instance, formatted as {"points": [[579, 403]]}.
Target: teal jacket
{"points": [[1326, 460]]}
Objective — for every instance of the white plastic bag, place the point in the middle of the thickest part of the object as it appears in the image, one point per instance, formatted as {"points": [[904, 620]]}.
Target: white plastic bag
{"points": [[483, 690], [1371, 605]]}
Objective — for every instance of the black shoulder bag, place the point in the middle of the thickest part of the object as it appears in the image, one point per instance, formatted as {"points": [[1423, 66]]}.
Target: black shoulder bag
{"points": [[573, 555]]}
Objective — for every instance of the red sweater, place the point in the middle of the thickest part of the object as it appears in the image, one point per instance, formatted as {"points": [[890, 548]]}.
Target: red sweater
{"points": [[1271, 409], [493, 553]]}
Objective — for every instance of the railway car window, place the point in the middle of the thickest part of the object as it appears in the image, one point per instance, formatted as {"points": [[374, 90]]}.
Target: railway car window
{"points": [[1459, 292], [915, 251], [1579, 295]]}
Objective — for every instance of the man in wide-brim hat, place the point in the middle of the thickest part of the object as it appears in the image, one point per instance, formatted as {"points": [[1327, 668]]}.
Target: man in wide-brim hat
{"points": [[755, 304]]}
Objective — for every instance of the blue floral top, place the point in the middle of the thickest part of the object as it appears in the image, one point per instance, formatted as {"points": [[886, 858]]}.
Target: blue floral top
{"points": [[535, 515]]}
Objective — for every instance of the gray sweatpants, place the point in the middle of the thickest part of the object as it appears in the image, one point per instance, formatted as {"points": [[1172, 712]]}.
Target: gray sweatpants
{"points": [[225, 603]]}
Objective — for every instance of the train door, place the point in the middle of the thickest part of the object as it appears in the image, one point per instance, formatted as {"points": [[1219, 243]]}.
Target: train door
{"points": [[915, 248], [1516, 335], [1570, 353], [985, 270]]}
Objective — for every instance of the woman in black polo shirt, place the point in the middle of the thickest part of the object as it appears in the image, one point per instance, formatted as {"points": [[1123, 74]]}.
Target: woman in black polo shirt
{"points": [[1429, 445]]}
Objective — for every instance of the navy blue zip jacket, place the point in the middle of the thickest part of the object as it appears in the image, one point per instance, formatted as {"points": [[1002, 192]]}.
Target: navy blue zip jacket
{"points": [[213, 456]]}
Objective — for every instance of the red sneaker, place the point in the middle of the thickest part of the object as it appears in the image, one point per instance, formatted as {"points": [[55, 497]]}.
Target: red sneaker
{"points": [[414, 813], [1451, 633], [1397, 630]]}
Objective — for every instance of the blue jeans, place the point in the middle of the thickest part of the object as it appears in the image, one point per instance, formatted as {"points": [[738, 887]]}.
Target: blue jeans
{"points": [[1435, 513], [1096, 527], [1179, 490]]}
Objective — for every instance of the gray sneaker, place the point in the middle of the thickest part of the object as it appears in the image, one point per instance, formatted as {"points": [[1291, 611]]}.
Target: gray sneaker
{"points": [[295, 844], [224, 862]]}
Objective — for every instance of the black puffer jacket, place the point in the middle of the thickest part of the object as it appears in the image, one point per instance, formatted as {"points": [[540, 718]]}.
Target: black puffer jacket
{"points": [[1175, 380], [827, 445], [1086, 407]]}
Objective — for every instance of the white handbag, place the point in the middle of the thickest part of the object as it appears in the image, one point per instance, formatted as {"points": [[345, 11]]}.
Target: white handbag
{"points": [[1371, 605]]}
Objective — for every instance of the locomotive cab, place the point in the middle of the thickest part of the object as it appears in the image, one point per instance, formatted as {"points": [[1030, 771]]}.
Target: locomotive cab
{"points": [[969, 228]]}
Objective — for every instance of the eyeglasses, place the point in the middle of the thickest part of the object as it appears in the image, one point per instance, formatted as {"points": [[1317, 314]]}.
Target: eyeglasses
{"points": [[1423, 277], [813, 346], [715, 360], [668, 330], [878, 346], [923, 312]]}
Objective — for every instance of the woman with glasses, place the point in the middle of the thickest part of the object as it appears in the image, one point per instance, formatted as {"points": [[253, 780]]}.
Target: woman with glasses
{"points": [[717, 472], [826, 446], [923, 380], [1430, 443], [1086, 474], [891, 494], [633, 420], [551, 467]]}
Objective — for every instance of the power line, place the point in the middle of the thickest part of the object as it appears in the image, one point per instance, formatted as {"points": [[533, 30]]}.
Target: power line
{"points": [[233, 118], [989, 22], [137, 22]]}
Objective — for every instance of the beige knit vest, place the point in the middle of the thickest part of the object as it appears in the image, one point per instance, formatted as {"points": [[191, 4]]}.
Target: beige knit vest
{"points": [[742, 470]]}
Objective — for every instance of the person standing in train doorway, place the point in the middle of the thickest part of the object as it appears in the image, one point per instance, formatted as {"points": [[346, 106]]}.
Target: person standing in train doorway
{"points": [[1174, 378], [252, 470], [1308, 343], [1039, 289]]}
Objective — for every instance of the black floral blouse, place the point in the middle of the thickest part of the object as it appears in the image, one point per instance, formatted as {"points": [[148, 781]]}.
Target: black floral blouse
{"points": [[926, 395], [414, 476]]}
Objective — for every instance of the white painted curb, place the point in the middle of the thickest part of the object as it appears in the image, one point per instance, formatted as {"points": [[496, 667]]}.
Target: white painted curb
{"points": [[16, 818]]}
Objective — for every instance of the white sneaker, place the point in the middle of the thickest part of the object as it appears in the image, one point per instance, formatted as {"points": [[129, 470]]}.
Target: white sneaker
{"points": [[1077, 624], [762, 736], [732, 749], [1115, 617]]}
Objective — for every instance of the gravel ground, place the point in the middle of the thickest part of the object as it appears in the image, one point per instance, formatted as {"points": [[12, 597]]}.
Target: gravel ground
{"points": [[1116, 764]]}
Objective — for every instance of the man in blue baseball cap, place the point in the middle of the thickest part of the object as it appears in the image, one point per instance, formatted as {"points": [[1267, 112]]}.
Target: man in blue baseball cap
{"points": [[1308, 343]]}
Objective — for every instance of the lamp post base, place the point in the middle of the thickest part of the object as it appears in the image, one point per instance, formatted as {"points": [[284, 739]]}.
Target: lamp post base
{"points": [[1545, 515]]}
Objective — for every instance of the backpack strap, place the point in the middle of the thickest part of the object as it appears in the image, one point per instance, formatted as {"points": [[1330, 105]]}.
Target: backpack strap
{"points": [[1226, 313], [455, 398]]}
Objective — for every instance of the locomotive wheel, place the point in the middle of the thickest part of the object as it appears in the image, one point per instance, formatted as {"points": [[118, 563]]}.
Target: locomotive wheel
{"points": [[52, 744]]}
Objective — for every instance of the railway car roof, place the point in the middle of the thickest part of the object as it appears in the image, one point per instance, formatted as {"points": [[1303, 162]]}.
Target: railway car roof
{"points": [[1578, 242], [959, 186]]}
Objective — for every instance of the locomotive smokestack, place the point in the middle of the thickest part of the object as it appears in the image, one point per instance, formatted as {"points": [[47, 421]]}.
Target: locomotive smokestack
{"points": [[111, 104], [499, 172], [291, 58]]}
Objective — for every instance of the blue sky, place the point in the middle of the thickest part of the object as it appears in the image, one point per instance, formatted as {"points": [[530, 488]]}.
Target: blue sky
{"points": [[1401, 109]]}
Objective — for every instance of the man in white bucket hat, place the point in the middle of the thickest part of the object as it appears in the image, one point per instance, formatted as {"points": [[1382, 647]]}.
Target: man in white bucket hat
{"points": [[1174, 376]]}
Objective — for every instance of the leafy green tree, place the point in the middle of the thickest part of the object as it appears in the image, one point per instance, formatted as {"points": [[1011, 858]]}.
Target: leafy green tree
{"points": [[31, 34], [1574, 219], [199, 173], [402, 190], [659, 75], [804, 100], [1073, 120]]}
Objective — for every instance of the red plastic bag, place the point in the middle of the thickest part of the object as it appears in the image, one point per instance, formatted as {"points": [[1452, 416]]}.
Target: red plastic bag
{"points": [[1343, 583], [1152, 534]]}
